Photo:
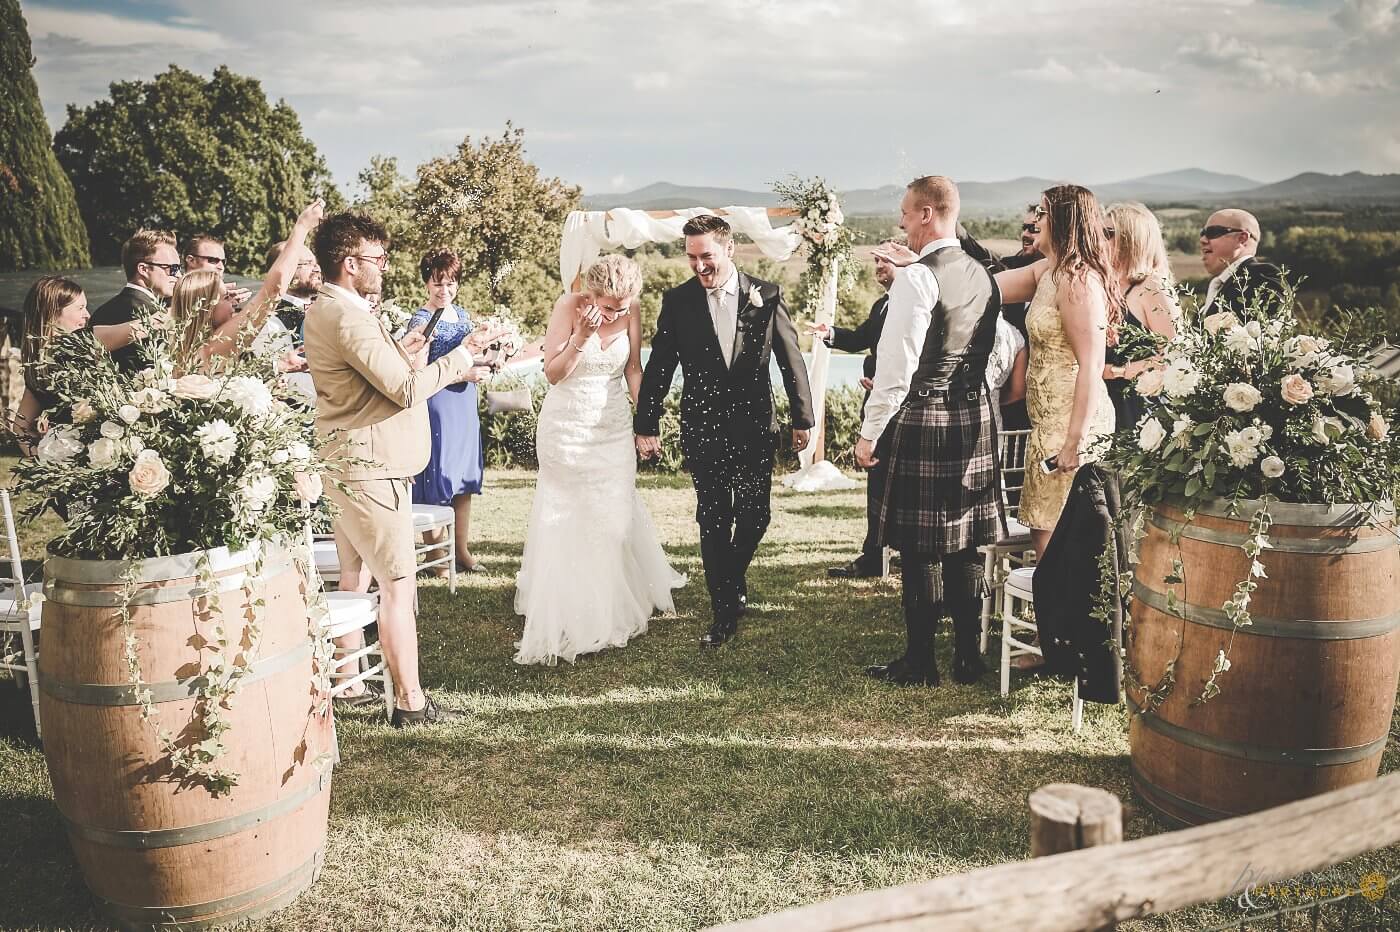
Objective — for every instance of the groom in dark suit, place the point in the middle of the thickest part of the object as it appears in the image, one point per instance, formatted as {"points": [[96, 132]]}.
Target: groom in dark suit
{"points": [[722, 327]]}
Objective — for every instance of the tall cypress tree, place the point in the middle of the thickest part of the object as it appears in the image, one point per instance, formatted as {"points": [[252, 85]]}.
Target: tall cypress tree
{"points": [[40, 227]]}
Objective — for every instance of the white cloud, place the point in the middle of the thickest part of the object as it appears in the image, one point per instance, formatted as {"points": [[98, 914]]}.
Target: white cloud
{"points": [[618, 182], [651, 81], [1367, 16], [104, 30], [347, 115], [1100, 74], [1269, 72]]}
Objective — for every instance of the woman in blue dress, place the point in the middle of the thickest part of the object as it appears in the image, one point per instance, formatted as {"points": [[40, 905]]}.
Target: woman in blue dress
{"points": [[454, 471]]}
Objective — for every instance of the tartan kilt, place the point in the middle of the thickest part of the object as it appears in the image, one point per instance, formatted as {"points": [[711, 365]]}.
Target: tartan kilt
{"points": [[938, 481]]}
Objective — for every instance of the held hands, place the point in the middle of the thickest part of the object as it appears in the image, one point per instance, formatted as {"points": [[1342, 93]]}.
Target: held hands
{"points": [[895, 254], [865, 454], [821, 331], [648, 447]]}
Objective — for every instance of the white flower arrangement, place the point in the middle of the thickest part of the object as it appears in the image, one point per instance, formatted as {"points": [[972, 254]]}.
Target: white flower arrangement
{"points": [[512, 340], [821, 225], [393, 317], [1247, 408]]}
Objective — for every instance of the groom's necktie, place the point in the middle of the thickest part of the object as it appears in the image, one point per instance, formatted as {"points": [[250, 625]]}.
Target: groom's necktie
{"points": [[724, 322]]}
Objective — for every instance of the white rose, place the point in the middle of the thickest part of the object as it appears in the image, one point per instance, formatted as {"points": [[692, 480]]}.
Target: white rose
{"points": [[83, 412], [1182, 426], [59, 445], [1149, 383], [1271, 466], [1303, 351], [1150, 435], [1338, 380], [148, 476], [149, 400], [1252, 436], [279, 457], [308, 486], [111, 430], [1215, 323], [298, 451], [1180, 379], [1326, 429], [135, 445], [249, 394], [129, 413], [1377, 428], [258, 491], [1240, 341], [103, 453], [1242, 397], [1295, 389], [195, 386], [217, 441]]}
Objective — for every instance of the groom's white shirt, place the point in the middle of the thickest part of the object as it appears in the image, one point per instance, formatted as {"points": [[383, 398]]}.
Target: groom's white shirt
{"points": [[910, 311], [724, 312]]}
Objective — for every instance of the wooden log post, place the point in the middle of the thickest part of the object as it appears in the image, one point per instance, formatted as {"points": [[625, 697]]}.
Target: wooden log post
{"points": [[1067, 817]]}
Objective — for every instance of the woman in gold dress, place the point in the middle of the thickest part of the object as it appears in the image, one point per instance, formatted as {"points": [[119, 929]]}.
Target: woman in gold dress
{"points": [[1073, 305]]}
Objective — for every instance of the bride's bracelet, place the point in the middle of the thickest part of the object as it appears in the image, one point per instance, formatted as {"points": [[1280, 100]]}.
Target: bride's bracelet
{"points": [[577, 349]]}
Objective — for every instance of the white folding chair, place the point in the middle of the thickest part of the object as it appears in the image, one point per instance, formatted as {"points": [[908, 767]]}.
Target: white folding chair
{"points": [[1014, 547], [426, 520], [351, 612], [1018, 633], [20, 614]]}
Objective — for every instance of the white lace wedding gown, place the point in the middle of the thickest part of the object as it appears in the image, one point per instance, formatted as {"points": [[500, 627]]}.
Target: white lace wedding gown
{"points": [[593, 570]]}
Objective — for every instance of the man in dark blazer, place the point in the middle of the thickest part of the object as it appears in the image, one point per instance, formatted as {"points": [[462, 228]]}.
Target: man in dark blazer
{"points": [[861, 338], [152, 266], [722, 327], [1239, 280]]}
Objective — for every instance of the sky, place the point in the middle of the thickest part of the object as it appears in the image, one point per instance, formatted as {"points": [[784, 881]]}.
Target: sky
{"points": [[617, 94]]}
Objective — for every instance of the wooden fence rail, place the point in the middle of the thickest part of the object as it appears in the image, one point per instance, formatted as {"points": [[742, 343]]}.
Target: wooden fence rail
{"points": [[1099, 886]]}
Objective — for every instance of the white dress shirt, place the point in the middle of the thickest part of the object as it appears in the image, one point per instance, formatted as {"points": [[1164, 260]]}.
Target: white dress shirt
{"points": [[724, 311], [1219, 281], [910, 312]]}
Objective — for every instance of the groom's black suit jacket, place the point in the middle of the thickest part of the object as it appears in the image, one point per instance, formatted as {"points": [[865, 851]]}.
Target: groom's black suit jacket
{"points": [[723, 410]]}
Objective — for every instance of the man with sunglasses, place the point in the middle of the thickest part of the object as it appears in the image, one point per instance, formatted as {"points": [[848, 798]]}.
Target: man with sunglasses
{"points": [[1229, 241], [152, 267]]}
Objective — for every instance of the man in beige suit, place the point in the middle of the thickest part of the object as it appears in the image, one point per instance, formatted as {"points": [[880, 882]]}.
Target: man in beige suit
{"points": [[370, 394]]}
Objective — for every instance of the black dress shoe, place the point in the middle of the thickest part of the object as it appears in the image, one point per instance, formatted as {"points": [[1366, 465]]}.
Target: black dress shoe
{"points": [[720, 633], [430, 714], [853, 570], [968, 669], [900, 673]]}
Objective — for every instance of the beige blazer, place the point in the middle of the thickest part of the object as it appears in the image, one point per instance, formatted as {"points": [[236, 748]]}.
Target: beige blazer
{"points": [[370, 402]]}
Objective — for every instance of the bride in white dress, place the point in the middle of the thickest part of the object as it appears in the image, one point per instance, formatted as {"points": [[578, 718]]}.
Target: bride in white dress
{"points": [[593, 570]]}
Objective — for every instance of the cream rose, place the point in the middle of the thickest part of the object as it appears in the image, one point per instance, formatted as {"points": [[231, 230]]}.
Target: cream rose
{"points": [[149, 400], [195, 386], [103, 453], [83, 412], [1149, 383], [1326, 429], [129, 413], [148, 476], [1150, 435], [1271, 466], [1338, 380], [59, 445], [111, 430], [1215, 323], [1242, 397], [1377, 427], [1296, 390]]}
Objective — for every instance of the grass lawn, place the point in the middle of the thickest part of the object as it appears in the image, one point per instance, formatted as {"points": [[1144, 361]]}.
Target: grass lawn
{"points": [[655, 787]]}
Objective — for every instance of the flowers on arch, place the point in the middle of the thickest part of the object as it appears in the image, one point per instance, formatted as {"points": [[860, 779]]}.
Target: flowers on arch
{"points": [[820, 223]]}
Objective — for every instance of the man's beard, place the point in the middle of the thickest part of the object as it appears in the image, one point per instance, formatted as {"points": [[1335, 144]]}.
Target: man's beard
{"points": [[301, 288]]}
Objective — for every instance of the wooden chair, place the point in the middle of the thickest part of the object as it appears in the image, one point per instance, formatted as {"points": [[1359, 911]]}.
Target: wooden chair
{"points": [[1018, 633], [1013, 548], [20, 614]]}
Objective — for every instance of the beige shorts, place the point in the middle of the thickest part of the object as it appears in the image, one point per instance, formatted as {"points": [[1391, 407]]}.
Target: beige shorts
{"points": [[374, 528]]}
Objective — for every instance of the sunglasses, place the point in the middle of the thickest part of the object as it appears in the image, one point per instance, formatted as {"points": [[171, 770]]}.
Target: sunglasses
{"points": [[212, 260], [1029, 228], [1040, 212], [172, 269], [1215, 232]]}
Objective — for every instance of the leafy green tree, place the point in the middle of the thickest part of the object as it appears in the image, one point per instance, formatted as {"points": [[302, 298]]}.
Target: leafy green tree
{"points": [[190, 154], [39, 222], [491, 206], [387, 196]]}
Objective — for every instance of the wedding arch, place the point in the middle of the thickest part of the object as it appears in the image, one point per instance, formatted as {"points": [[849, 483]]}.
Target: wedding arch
{"points": [[587, 234]]}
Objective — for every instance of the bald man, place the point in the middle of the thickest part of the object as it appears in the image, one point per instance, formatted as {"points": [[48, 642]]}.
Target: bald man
{"points": [[1229, 241]]}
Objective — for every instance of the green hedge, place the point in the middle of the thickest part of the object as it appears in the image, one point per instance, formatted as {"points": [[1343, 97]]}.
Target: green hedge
{"points": [[510, 438]]}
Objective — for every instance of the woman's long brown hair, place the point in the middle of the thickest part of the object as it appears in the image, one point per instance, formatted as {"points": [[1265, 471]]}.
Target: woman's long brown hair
{"points": [[42, 306], [1080, 245]]}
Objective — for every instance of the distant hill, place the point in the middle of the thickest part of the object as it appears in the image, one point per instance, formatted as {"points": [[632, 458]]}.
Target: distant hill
{"points": [[981, 198]]}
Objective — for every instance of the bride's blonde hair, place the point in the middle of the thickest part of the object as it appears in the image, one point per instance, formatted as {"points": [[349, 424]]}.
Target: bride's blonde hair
{"points": [[614, 276]]}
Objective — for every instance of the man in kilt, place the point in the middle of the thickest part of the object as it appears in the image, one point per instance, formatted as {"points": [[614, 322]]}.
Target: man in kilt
{"points": [[929, 438]]}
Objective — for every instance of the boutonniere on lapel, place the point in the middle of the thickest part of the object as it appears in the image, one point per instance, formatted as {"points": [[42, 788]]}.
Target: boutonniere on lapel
{"points": [[755, 296]]}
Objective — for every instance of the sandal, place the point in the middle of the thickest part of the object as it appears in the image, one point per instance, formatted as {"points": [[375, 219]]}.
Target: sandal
{"points": [[474, 567]]}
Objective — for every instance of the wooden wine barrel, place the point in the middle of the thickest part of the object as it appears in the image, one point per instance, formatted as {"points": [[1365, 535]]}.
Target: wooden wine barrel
{"points": [[1307, 704], [159, 854]]}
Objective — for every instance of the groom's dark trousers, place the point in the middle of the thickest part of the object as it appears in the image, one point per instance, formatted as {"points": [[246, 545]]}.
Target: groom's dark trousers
{"points": [[728, 426]]}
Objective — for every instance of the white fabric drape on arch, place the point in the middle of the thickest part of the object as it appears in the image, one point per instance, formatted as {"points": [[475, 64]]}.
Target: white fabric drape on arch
{"points": [[588, 233]]}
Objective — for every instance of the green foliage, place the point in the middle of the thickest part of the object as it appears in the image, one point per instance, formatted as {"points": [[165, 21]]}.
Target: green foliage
{"points": [[387, 196], [40, 227], [190, 154], [491, 206]]}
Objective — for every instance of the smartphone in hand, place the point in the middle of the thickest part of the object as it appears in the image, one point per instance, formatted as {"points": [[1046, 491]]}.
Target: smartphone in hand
{"points": [[1050, 464]]}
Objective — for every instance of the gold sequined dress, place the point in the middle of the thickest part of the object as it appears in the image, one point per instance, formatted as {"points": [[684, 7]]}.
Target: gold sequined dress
{"points": [[1050, 377]]}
